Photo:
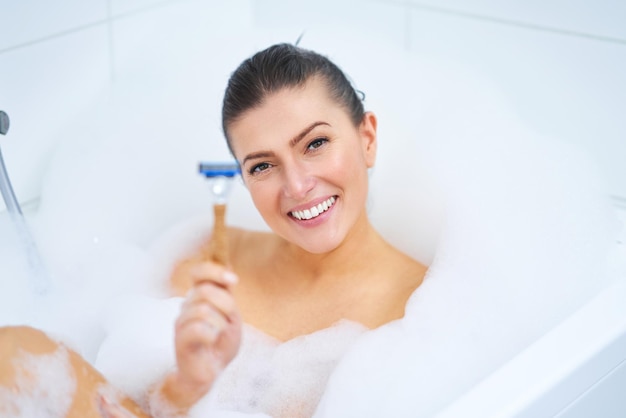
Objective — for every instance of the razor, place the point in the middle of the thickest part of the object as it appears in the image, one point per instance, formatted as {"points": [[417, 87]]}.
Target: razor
{"points": [[220, 176]]}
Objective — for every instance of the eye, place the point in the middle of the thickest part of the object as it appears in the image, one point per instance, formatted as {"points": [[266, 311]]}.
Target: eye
{"points": [[317, 143], [258, 168]]}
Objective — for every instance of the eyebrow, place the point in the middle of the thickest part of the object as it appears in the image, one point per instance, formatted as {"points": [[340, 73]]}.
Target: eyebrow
{"points": [[255, 155], [292, 142]]}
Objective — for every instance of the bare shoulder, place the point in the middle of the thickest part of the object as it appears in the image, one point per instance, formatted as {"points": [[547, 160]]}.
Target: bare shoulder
{"points": [[249, 248], [242, 240], [404, 275], [404, 268], [411, 269], [238, 235]]}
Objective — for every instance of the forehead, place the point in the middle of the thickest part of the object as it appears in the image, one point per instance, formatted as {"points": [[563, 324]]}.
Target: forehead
{"points": [[283, 114]]}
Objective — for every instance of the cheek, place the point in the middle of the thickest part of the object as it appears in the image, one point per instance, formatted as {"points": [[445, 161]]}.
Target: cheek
{"points": [[350, 167], [263, 196], [355, 175]]}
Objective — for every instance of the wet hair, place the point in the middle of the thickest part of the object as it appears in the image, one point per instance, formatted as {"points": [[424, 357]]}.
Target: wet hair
{"points": [[284, 66]]}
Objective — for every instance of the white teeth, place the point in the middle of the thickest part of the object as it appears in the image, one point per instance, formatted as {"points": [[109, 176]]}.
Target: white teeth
{"points": [[314, 211]]}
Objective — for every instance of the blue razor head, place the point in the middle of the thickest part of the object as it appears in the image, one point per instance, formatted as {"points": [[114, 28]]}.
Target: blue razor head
{"points": [[219, 169]]}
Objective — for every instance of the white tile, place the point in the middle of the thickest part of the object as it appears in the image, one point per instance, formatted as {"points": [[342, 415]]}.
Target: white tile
{"points": [[182, 53], [30, 20], [345, 19], [171, 35], [566, 87], [119, 7], [44, 88], [603, 18]]}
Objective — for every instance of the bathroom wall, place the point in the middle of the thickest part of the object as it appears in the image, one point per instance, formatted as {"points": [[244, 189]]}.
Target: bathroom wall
{"points": [[560, 64], [54, 58]]}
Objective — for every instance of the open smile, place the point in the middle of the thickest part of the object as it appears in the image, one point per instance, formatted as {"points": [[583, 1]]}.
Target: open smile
{"points": [[314, 211]]}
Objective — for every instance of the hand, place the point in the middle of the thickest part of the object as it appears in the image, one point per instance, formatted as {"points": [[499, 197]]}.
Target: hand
{"points": [[208, 334], [111, 409]]}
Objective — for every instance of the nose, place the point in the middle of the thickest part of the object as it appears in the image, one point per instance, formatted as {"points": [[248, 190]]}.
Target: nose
{"points": [[298, 182]]}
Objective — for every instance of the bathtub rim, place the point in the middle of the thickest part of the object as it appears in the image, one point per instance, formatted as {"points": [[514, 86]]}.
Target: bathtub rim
{"points": [[556, 370]]}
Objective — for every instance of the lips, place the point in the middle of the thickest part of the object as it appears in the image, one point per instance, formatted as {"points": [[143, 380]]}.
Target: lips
{"points": [[314, 211]]}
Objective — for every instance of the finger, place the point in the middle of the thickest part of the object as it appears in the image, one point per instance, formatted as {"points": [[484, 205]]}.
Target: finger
{"points": [[110, 409], [218, 297], [196, 354], [200, 322], [200, 312], [213, 272], [204, 315]]}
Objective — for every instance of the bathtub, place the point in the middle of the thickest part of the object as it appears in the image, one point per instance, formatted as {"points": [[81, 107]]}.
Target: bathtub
{"points": [[577, 369], [574, 368]]}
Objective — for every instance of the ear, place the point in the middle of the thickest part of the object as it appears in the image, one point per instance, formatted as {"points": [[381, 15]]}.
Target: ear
{"points": [[367, 130]]}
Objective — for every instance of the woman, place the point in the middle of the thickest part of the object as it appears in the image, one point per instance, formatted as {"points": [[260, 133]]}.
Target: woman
{"points": [[304, 143]]}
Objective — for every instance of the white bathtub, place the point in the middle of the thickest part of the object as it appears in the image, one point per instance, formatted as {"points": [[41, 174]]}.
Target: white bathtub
{"points": [[578, 369]]}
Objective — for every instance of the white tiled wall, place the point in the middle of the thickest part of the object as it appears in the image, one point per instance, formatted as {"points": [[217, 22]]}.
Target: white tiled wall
{"points": [[561, 64], [567, 86], [29, 21], [44, 86], [286, 20], [596, 18]]}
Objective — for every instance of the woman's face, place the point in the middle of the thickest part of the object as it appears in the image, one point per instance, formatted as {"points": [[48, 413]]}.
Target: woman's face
{"points": [[305, 165]]}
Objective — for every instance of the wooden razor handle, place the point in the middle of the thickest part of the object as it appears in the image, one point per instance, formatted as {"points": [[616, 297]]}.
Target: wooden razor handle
{"points": [[216, 249], [219, 238]]}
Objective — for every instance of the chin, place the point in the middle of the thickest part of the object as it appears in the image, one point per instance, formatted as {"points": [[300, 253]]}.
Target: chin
{"points": [[320, 245], [317, 249]]}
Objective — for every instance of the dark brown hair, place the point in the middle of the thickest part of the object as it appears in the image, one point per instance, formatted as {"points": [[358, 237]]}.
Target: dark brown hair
{"points": [[284, 66]]}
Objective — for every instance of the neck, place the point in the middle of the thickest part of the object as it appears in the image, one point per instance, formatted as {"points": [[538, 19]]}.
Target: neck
{"points": [[350, 257]]}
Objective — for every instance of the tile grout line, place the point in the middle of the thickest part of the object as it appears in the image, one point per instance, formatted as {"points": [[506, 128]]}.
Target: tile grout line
{"points": [[406, 3], [507, 22], [55, 36], [108, 20]]}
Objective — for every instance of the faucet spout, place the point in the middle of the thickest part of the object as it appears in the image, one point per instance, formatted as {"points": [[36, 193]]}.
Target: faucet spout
{"points": [[5, 184], [40, 280]]}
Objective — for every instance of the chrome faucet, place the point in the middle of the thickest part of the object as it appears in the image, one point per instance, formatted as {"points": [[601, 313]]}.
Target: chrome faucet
{"points": [[5, 184], [39, 276]]}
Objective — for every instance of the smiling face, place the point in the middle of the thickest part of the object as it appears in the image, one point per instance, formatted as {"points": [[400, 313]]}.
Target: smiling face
{"points": [[305, 165]]}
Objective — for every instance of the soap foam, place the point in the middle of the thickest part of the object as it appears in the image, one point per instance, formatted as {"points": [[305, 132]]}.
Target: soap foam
{"points": [[44, 386]]}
